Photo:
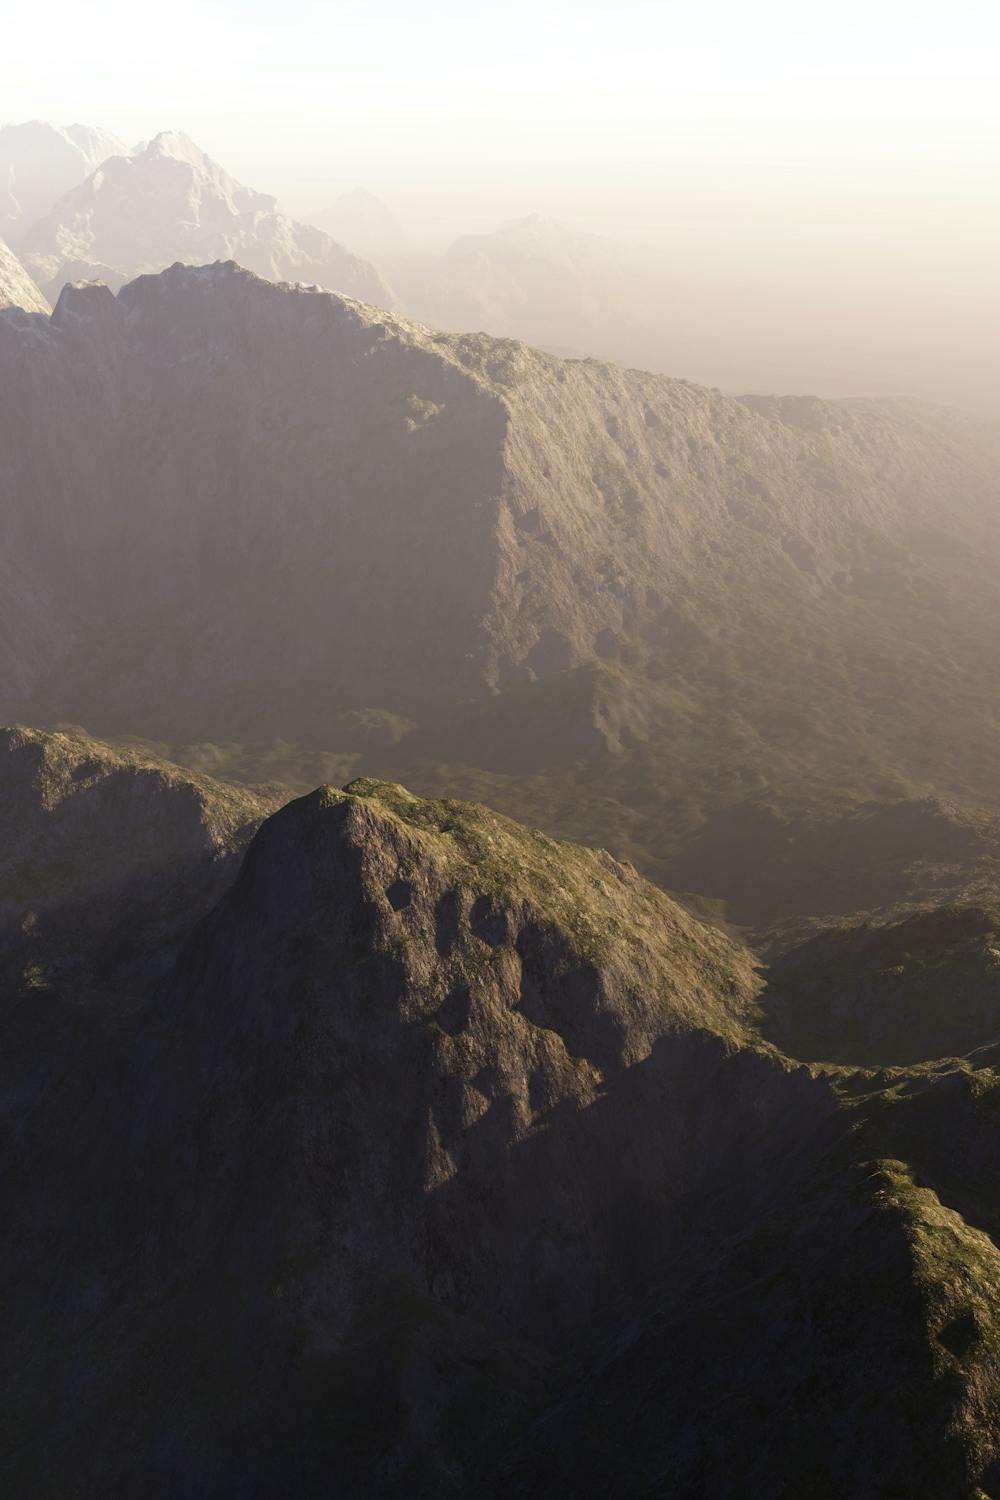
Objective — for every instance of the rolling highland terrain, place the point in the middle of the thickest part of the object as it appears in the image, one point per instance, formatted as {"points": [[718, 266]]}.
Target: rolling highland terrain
{"points": [[499, 894]]}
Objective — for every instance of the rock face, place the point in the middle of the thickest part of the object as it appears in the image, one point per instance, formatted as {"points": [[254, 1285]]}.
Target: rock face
{"points": [[167, 202], [41, 162], [234, 511], [442, 1158], [18, 292]]}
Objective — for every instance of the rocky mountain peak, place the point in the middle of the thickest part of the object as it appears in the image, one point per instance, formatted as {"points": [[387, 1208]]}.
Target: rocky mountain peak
{"points": [[465, 889], [169, 201], [90, 301]]}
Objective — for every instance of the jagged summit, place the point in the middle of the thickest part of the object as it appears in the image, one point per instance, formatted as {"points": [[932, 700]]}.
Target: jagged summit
{"points": [[179, 145], [206, 176], [169, 201], [84, 299], [561, 907]]}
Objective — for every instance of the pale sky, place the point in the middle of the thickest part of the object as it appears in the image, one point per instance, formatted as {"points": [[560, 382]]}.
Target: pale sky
{"points": [[644, 101], [783, 152]]}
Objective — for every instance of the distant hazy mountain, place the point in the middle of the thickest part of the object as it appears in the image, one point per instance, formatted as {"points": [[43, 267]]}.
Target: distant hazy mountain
{"points": [[534, 279], [41, 162], [17, 289], [170, 202], [365, 224]]}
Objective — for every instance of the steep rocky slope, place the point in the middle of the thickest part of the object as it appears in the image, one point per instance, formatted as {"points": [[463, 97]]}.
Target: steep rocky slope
{"points": [[441, 1158], [168, 201], [17, 290], [240, 511]]}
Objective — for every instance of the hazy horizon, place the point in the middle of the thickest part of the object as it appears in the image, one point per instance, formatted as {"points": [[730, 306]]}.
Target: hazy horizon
{"points": [[820, 193]]}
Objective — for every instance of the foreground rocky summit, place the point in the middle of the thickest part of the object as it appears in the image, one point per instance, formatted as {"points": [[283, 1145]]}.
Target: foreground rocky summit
{"points": [[431, 1156]]}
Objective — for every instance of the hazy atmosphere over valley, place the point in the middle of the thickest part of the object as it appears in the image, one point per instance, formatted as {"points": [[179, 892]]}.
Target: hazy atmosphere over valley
{"points": [[499, 776]]}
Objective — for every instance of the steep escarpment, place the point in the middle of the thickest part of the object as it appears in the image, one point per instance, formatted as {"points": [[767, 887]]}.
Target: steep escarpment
{"points": [[603, 599], [780, 560], [301, 508]]}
